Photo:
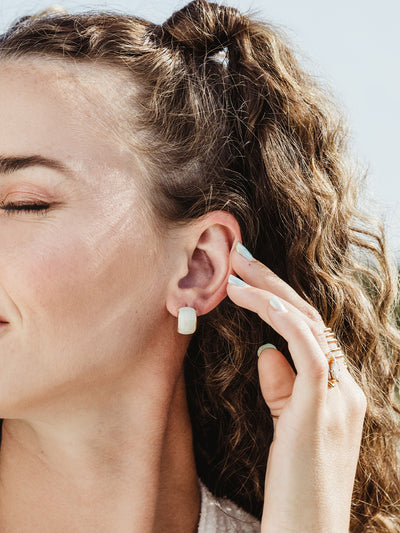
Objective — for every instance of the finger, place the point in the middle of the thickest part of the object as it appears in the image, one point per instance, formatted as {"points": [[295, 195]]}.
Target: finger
{"points": [[257, 300], [259, 275], [317, 328], [310, 361], [276, 380]]}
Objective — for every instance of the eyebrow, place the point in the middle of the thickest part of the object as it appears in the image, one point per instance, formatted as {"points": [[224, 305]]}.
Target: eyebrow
{"points": [[9, 164]]}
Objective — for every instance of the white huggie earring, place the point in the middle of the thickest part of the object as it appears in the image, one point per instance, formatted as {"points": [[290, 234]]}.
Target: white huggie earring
{"points": [[187, 319]]}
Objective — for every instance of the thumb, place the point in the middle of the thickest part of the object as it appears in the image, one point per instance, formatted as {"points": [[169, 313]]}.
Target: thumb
{"points": [[276, 379]]}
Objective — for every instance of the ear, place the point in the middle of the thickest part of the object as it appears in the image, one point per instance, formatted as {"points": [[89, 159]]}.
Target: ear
{"points": [[203, 263]]}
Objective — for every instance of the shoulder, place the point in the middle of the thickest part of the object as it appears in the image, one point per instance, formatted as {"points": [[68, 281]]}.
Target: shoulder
{"points": [[222, 515]]}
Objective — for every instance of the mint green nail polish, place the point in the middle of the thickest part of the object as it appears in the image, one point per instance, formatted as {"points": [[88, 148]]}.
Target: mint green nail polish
{"points": [[233, 280], [242, 250], [277, 303], [265, 347]]}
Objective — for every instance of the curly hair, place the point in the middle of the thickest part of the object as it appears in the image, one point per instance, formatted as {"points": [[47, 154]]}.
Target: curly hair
{"points": [[223, 106]]}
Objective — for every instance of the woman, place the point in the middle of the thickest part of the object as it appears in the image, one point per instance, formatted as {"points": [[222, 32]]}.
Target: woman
{"points": [[136, 160]]}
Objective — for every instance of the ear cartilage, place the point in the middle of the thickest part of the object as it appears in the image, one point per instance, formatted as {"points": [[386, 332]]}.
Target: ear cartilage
{"points": [[187, 320]]}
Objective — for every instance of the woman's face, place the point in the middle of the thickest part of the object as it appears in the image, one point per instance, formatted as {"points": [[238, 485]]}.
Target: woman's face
{"points": [[81, 284]]}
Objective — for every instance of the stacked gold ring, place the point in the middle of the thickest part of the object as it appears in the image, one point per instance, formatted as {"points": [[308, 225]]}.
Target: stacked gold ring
{"points": [[332, 355]]}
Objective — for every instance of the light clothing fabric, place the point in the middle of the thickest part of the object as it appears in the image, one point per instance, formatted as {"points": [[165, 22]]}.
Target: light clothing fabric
{"points": [[221, 515]]}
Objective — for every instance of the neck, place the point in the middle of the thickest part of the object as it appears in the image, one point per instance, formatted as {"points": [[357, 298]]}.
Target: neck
{"points": [[127, 466]]}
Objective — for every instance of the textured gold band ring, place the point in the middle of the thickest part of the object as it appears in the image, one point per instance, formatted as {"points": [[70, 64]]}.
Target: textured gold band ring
{"points": [[332, 355]]}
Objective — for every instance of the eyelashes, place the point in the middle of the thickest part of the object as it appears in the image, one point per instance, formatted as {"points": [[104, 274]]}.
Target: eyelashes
{"points": [[11, 207]]}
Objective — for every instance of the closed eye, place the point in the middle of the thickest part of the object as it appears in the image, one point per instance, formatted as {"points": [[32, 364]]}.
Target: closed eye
{"points": [[36, 208]]}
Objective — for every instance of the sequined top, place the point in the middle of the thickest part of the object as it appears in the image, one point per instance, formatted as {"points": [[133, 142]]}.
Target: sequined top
{"points": [[220, 515]]}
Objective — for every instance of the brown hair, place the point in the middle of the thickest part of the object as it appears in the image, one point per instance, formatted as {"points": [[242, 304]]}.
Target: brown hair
{"points": [[225, 109]]}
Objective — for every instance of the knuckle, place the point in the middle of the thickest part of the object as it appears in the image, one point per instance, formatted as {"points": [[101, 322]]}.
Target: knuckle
{"points": [[301, 329], [337, 424], [319, 365], [318, 331], [313, 315], [320, 369], [359, 401]]}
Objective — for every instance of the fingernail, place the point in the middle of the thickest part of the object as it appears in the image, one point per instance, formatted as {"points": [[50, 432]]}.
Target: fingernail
{"points": [[265, 347], [277, 303], [233, 280], [242, 250]]}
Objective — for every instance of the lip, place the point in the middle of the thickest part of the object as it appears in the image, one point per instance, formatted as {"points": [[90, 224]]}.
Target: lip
{"points": [[2, 321]]}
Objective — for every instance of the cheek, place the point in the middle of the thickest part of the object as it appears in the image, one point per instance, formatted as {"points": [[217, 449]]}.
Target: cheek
{"points": [[48, 272], [59, 276], [87, 305], [87, 279], [90, 291]]}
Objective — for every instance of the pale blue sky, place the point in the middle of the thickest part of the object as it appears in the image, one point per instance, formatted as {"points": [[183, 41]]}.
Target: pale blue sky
{"points": [[353, 45]]}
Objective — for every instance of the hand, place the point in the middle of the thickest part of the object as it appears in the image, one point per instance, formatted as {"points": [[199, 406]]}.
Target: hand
{"points": [[317, 430]]}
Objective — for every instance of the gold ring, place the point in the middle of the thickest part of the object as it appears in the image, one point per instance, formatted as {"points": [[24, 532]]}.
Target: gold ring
{"points": [[332, 355]]}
